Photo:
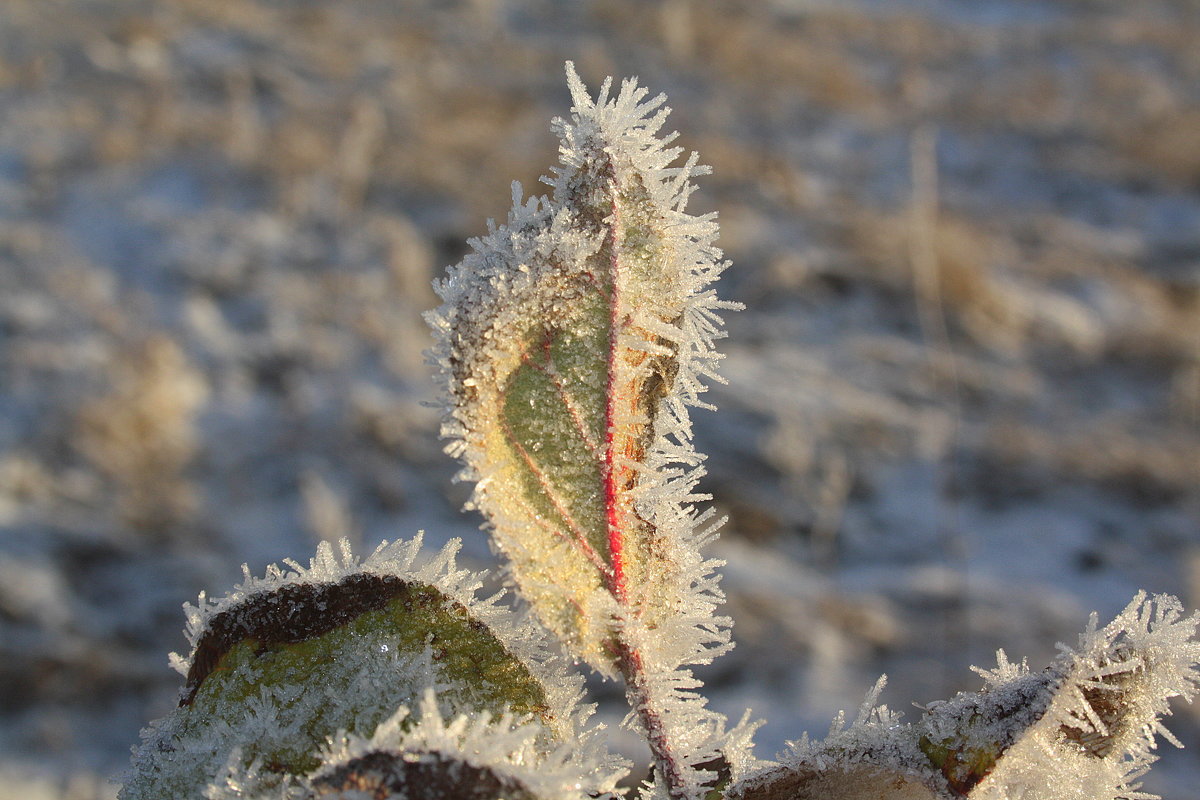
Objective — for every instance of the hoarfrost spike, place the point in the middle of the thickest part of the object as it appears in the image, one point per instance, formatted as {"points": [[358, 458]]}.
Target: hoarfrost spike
{"points": [[480, 758]]}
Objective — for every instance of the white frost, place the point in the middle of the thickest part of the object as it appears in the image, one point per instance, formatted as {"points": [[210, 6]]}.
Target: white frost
{"points": [[1097, 735], [507, 746]]}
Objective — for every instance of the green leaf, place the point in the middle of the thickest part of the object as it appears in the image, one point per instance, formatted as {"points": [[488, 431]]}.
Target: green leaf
{"points": [[284, 663]]}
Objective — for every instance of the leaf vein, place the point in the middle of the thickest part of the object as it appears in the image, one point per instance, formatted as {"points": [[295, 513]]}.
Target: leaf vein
{"points": [[550, 370], [579, 537]]}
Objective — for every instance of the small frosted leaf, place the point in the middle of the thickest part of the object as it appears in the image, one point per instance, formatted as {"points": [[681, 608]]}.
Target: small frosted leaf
{"points": [[874, 758], [1098, 708], [472, 758], [417, 776], [1082, 728], [841, 781], [966, 737], [287, 661]]}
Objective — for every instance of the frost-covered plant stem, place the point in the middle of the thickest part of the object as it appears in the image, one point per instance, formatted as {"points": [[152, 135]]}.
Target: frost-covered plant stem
{"points": [[637, 689]]}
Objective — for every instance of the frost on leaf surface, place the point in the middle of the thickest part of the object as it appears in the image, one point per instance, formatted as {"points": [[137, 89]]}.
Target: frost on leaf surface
{"points": [[283, 662], [875, 757], [479, 758], [1082, 729], [1103, 713], [571, 342]]}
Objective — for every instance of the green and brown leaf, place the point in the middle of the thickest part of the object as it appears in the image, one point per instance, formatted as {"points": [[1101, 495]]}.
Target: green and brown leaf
{"points": [[563, 336], [289, 661]]}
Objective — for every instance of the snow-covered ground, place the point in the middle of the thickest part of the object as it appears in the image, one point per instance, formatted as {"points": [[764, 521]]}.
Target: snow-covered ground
{"points": [[963, 406]]}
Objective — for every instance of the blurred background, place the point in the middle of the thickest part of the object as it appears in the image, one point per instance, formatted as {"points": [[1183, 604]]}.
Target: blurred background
{"points": [[963, 407]]}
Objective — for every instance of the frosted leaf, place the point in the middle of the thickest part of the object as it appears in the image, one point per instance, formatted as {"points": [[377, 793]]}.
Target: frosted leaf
{"points": [[1099, 726], [485, 758], [287, 660], [1083, 729], [873, 758], [572, 341], [849, 780], [417, 775]]}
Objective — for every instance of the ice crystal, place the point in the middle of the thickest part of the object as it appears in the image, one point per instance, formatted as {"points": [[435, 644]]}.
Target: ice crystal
{"points": [[508, 749]]}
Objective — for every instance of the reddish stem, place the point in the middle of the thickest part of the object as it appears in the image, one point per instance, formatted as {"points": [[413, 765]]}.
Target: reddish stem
{"points": [[615, 538], [629, 658], [638, 693]]}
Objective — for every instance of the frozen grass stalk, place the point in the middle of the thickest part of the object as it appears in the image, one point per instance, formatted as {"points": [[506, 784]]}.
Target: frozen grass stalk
{"points": [[572, 342]]}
